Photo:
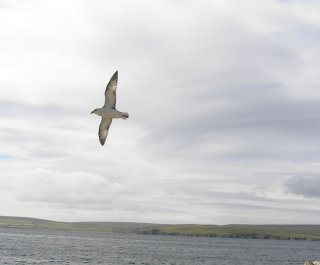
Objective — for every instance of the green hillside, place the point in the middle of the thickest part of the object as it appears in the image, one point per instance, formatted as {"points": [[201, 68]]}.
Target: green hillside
{"points": [[284, 232], [33, 223]]}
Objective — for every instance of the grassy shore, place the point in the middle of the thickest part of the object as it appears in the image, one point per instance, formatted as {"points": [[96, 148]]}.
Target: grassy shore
{"points": [[283, 232]]}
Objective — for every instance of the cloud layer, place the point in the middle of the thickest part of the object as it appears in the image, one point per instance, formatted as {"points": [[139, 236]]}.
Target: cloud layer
{"points": [[305, 186], [223, 100]]}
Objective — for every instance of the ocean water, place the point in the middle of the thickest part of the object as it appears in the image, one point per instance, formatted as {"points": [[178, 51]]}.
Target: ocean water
{"points": [[73, 248]]}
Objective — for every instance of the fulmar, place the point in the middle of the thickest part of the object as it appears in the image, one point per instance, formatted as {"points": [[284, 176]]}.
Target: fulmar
{"points": [[109, 111]]}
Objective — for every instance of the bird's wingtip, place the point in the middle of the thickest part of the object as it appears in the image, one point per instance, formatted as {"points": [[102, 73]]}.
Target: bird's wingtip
{"points": [[115, 75]]}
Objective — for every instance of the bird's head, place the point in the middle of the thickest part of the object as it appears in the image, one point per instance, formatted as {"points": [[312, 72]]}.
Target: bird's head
{"points": [[94, 111]]}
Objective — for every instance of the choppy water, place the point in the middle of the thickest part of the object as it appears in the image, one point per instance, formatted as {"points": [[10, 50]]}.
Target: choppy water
{"points": [[47, 247]]}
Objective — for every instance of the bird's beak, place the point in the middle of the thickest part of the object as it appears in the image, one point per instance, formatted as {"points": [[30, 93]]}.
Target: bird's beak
{"points": [[92, 112]]}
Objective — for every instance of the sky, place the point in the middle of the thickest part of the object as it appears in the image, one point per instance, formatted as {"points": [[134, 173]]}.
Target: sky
{"points": [[224, 105]]}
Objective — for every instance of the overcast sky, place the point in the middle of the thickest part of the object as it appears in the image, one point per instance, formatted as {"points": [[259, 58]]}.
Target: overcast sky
{"points": [[224, 105]]}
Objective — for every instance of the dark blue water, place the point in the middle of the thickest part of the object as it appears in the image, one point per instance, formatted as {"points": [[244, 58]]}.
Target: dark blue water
{"points": [[47, 247]]}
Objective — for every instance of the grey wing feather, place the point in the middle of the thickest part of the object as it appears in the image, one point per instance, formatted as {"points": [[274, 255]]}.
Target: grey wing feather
{"points": [[110, 93], [104, 129]]}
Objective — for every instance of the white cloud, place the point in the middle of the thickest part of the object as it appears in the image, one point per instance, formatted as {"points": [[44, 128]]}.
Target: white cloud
{"points": [[223, 101]]}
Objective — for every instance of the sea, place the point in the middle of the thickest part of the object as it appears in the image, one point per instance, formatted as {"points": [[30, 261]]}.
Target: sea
{"points": [[18, 246]]}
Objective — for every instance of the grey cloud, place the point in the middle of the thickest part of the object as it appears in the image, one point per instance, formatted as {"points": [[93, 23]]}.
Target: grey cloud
{"points": [[307, 186], [34, 143], [255, 106], [213, 123], [42, 131], [68, 201], [27, 111], [268, 123], [252, 98]]}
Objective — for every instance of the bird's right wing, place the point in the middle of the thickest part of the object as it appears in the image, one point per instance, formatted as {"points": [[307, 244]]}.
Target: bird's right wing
{"points": [[110, 93], [104, 129]]}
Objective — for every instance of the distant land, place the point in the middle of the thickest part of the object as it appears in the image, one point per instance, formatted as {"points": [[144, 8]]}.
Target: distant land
{"points": [[281, 232]]}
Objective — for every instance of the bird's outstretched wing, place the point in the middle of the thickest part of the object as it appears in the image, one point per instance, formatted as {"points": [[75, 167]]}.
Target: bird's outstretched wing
{"points": [[110, 93], [104, 129]]}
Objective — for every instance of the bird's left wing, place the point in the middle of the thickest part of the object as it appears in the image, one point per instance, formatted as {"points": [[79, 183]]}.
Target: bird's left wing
{"points": [[110, 93], [104, 129]]}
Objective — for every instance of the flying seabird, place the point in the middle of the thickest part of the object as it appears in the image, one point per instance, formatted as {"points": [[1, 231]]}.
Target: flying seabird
{"points": [[109, 111]]}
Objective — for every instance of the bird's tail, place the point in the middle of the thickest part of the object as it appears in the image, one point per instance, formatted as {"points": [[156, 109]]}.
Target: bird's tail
{"points": [[125, 115]]}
